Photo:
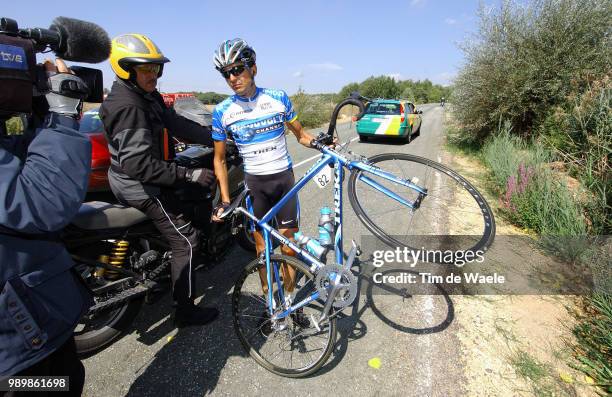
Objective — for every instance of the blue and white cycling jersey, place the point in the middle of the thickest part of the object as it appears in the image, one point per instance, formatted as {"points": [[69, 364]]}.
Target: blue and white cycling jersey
{"points": [[257, 125]]}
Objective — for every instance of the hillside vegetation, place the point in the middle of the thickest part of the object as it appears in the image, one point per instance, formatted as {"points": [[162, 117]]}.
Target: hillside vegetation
{"points": [[534, 100]]}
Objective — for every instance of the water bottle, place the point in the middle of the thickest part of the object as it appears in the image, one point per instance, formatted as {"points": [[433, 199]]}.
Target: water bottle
{"points": [[312, 245], [326, 227]]}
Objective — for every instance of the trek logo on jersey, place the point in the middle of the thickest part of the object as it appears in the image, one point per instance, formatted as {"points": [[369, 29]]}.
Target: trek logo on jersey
{"points": [[12, 57], [264, 150]]}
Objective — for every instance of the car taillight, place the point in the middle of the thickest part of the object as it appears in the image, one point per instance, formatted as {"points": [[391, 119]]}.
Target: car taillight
{"points": [[100, 156], [402, 113]]}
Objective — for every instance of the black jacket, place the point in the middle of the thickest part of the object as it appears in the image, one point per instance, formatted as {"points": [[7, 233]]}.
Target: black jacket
{"points": [[139, 129]]}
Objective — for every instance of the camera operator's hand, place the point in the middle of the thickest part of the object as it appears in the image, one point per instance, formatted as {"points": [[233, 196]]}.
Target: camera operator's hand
{"points": [[202, 176], [66, 91]]}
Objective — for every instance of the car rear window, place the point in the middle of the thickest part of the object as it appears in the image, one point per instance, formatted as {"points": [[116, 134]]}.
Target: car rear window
{"points": [[90, 122], [383, 108]]}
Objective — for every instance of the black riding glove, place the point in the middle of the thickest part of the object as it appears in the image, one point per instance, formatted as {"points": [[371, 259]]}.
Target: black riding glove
{"points": [[202, 176]]}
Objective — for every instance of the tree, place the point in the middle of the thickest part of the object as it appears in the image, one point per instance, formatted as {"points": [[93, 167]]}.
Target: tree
{"points": [[380, 87], [210, 98], [346, 91], [386, 87]]}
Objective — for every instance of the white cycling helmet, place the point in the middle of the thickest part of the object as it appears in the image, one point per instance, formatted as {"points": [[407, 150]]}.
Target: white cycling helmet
{"points": [[231, 51]]}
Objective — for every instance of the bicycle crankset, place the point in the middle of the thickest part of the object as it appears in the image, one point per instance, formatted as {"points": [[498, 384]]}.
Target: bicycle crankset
{"points": [[346, 290]]}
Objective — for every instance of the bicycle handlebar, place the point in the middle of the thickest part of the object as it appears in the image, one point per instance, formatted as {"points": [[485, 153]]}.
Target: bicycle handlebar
{"points": [[356, 100]]}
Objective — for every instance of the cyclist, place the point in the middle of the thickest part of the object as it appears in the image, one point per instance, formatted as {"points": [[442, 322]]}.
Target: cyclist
{"points": [[442, 101], [256, 119], [139, 128]]}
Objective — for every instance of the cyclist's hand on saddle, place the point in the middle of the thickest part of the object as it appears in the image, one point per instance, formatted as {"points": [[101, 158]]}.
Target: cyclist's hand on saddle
{"points": [[202, 176], [218, 210]]}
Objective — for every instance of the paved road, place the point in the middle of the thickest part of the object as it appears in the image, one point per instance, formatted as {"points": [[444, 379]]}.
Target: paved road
{"points": [[413, 337]]}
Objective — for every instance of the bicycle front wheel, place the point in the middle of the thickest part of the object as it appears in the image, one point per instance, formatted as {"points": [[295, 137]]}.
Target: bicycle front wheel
{"points": [[292, 346], [452, 216]]}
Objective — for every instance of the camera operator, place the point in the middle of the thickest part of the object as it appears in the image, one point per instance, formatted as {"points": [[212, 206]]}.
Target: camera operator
{"points": [[44, 175]]}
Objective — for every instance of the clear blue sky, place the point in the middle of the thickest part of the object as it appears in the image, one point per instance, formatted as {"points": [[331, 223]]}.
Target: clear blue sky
{"points": [[320, 45]]}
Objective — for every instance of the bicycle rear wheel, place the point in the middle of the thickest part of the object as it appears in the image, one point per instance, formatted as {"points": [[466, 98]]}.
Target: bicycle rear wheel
{"points": [[292, 346], [452, 216]]}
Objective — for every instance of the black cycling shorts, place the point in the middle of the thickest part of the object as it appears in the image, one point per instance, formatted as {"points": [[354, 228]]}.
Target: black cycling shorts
{"points": [[267, 190]]}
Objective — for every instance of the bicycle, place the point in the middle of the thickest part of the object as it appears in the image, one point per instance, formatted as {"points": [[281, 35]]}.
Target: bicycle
{"points": [[293, 331]]}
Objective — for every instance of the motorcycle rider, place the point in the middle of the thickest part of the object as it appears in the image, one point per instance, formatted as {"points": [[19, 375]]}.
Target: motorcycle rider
{"points": [[44, 180], [139, 130]]}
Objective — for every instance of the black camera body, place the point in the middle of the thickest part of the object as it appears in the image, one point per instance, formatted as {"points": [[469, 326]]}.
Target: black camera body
{"points": [[22, 80]]}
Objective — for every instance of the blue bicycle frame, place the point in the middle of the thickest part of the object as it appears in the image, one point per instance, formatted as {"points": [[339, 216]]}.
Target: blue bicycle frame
{"points": [[339, 162]]}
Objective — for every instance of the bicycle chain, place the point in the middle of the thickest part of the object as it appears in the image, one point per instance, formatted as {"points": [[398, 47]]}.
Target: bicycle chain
{"points": [[118, 300], [130, 293]]}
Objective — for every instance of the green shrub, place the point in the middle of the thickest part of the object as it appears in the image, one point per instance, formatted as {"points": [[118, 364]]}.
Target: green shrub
{"points": [[526, 59], [533, 196], [504, 153], [312, 110], [581, 134], [540, 202], [593, 348]]}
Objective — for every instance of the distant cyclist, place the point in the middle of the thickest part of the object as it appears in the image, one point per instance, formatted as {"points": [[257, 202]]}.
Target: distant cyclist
{"points": [[256, 119], [442, 101]]}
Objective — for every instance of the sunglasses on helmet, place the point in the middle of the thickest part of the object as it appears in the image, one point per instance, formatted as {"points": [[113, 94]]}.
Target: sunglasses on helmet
{"points": [[148, 68], [235, 71]]}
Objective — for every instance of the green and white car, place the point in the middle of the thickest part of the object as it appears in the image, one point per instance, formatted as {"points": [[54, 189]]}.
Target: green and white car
{"points": [[390, 118]]}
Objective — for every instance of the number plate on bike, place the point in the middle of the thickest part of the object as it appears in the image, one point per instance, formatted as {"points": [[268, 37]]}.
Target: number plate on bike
{"points": [[324, 177]]}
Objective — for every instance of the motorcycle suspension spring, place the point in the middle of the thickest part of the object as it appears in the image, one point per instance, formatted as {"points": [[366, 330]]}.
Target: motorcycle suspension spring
{"points": [[117, 257]]}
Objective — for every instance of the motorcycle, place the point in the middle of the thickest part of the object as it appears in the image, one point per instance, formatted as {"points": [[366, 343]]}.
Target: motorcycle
{"points": [[124, 261]]}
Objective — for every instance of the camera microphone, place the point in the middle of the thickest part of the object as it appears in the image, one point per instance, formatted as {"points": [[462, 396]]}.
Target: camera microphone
{"points": [[72, 40]]}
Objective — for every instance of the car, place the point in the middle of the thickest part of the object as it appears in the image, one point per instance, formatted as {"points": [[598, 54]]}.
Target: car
{"points": [[392, 118], [91, 125]]}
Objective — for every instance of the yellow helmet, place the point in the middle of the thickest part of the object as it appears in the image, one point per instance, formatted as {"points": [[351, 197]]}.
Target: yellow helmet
{"points": [[132, 49]]}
